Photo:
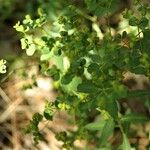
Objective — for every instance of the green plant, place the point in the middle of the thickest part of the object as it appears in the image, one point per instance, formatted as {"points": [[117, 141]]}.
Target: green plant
{"points": [[88, 70]]}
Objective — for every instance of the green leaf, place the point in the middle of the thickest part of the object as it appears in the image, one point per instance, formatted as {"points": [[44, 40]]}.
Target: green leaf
{"points": [[72, 86], [124, 34], [143, 22], [95, 126], [119, 90], [112, 108], [32, 127], [48, 116], [102, 7], [125, 144], [46, 56], [59, 62], [52, 71], [133, 21], [67, 78], [37, 137], [144, 41], [102, 52], [95, 58], [2, 66], [82, 62], [19, 28], [94, 67], [87, 87], [23, 43], [37, 118], [107, 131], [108, 104], [56, 77], [30, 51], [133, 118], [49, 110]]}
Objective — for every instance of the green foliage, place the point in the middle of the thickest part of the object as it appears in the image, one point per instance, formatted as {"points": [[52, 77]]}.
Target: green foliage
{"points": [[88, 71], [33, 127]]}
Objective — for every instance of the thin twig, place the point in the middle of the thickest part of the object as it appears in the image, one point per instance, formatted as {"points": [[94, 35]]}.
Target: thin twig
{"points": [[15, 141], [9, 110], [4, 96]]}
